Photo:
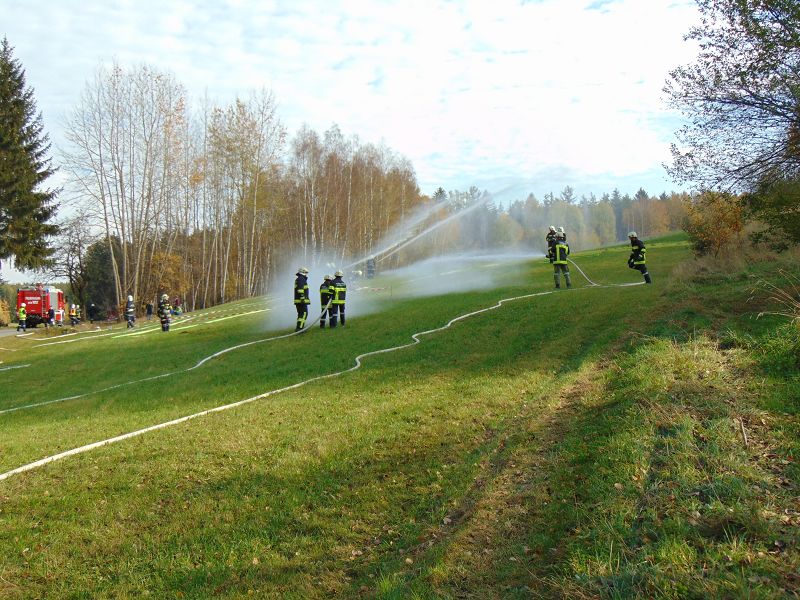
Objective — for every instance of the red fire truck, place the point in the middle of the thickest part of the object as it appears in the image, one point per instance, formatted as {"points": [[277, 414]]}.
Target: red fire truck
{"points": [[38, 301]]}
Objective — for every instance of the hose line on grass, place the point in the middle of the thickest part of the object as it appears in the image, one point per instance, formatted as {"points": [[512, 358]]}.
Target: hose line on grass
{"points": [[358, 363]]}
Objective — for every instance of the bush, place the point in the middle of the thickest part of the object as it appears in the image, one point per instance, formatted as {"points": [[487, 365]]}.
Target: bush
{"points": [[5, 313], [713, 221]]}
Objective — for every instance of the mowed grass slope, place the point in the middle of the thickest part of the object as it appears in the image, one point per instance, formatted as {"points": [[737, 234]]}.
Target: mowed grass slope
{"points": [[526, 450]]}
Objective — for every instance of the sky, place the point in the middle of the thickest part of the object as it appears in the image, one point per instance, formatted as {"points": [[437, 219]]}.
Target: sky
{"points": [[514, 97]]}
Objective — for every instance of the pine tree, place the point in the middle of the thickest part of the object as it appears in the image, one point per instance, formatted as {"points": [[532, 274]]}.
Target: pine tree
{"points": [[25, 208]]}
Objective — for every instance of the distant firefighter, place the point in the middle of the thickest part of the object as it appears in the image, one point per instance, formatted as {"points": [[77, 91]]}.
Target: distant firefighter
{"points": [[22, 317], [550, 238], [560, 254], [637, 258], [371, 267], [326, 293], [130, 312], [301, 298], [339, 296], [164, 312]]}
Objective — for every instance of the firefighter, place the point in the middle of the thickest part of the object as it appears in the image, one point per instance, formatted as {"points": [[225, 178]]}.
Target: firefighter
{"points": [[22, 317], [637, 259], [339, 295], [301, 298], [560, 254], [550, 238], [92, 312], [73, 315], [51, 316], [326, 292], [130, 312], [370, 267], [562, 232], [78, 313], [164, 312]]}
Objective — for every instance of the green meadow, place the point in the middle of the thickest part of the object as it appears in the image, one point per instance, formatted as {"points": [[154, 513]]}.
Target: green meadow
{"points": [[598, 442]]}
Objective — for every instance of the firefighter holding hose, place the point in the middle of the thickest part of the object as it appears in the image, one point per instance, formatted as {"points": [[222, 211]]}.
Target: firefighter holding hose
{"points": [[560, 254], [638, 259], [326, 293], [339, 296], [301, 298]]}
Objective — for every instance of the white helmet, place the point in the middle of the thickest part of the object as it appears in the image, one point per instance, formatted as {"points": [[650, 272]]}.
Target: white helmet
{"points": [[552, 228], [561, 235], [302, 271], [632, 234], [339, 273], [23, 305], [560, 230], [164, 297], [328, 277], [130, 298]]}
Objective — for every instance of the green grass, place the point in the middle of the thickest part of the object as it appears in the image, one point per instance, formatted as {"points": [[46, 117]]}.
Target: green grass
{"points": [[580, 444]]}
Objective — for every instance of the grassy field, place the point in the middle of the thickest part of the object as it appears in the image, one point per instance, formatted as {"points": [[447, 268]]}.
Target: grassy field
{"points": [[598, 442]]}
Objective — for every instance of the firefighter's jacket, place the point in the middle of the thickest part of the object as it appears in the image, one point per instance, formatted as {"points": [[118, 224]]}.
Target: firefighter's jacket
{"points": [[130, 309], [22, 315], [326, 292], [164, 311], [73, 313], [560, 252], [637, 252], [339, 291], [301, 290]]}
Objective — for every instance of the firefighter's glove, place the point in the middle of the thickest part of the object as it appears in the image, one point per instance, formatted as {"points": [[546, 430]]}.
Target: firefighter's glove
{"points": [[630, 263]]}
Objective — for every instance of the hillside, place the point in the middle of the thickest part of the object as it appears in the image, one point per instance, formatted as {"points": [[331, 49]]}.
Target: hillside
{"points": [[604, 441]]}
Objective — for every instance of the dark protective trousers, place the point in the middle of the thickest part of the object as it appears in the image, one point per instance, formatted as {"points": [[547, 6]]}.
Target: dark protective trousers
{"points": [[643, 270], [337, 314], [302, 315], [557, 270]]}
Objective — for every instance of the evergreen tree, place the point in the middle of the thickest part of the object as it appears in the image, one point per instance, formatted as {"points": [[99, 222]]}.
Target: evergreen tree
{"points": [[25, 208]]}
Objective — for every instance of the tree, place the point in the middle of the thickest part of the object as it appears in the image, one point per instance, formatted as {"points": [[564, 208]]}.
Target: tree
{"points": [[741, 97], [25, 208], [777, 206]]}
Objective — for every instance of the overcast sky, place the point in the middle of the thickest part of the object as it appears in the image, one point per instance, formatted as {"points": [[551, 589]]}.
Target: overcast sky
{"points": [[511, 96]]}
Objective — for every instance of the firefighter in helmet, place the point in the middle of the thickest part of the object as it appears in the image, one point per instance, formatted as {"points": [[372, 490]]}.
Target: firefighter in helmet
{"points": [[560, 254], [73, 315], [550, 238], [339, 296], [326, 293], [22, 317], [130, 312], [164, 312], [301, 297], [637, 258]]}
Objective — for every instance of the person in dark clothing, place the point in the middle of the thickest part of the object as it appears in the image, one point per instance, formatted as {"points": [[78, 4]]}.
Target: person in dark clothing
{"points": [[638, 258], [149, 310], [550, 238], [326, 292], [92, 312], [339, 296], [301, 297], [164, 312], [130, 312], [51, 316], [560, 254]]}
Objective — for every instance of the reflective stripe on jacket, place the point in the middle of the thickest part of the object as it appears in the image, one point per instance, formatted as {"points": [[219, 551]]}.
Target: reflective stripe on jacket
{"points": [[339, 291], [638, 252], [326, 292], [301, 290], [560, 253]]}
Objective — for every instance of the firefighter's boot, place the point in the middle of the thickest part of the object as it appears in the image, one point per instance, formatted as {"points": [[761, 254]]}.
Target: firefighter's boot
{"points": [[566, 278], [557, 278], [647, 278]]}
